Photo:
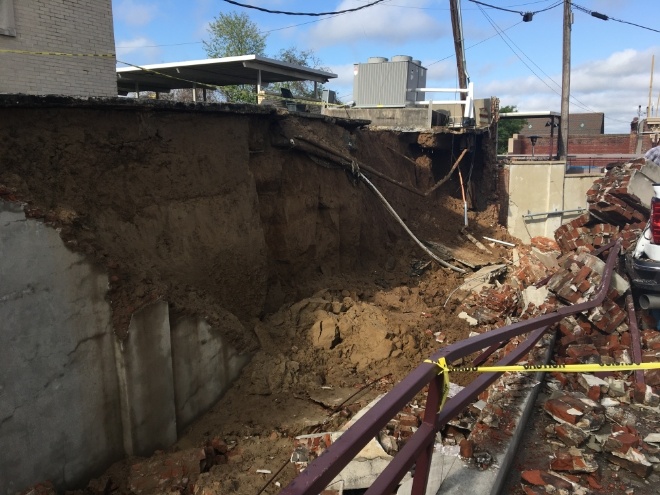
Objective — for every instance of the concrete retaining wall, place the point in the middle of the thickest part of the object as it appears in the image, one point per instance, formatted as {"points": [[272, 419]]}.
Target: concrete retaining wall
{"points": [[542, 187], [73, 399]]}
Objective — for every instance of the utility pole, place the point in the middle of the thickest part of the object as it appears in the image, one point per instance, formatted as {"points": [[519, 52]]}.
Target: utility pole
{"points": [[562, 142], [457, 29]]}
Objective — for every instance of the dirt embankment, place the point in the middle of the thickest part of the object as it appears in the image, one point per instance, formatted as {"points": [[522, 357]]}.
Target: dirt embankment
{"points": [[294, 260]]}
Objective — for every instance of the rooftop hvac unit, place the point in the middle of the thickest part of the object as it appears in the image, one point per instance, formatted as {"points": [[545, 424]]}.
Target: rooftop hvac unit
{"points": [[384, 83]]}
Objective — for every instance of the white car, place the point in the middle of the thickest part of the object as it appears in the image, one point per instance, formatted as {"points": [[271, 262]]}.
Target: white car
{"points": [[643, 264]]}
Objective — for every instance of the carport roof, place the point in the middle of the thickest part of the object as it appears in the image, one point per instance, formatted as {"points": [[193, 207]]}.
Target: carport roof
{"points": [[245, 69]]}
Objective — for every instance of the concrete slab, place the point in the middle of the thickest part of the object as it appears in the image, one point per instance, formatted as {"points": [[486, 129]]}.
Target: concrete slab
{"points": [[476, 281], [144, 367], [204, 366], [360, 473]]}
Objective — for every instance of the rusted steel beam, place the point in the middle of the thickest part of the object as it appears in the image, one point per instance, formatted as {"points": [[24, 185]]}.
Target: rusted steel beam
{"points": [[463, 398], [635, 338]]}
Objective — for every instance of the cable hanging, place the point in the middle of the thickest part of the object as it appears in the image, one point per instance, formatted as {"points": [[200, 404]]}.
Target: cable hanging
{"points": [[302, 13], [604, 17], [527, 16]]}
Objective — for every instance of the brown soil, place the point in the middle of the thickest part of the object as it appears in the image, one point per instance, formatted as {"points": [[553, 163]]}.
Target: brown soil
{"points": [[294, 263]]}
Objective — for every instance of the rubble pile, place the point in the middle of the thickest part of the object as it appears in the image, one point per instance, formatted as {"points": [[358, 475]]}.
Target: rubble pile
{"points": [[599, 421], [618, 208]]}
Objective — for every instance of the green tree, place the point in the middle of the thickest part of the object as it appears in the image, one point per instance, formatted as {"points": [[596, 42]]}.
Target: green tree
{"points": [[232, 35], [306, 58], [506, 128]]}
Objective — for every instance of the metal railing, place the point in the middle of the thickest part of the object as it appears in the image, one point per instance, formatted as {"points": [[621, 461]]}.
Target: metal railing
{"points": [[419, 447]]}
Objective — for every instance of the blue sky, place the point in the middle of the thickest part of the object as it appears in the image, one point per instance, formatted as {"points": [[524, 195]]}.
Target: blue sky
{"points": [[519, 62]]}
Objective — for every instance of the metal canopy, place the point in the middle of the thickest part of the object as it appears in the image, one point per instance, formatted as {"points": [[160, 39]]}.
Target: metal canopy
{"points": [[245, 69]]}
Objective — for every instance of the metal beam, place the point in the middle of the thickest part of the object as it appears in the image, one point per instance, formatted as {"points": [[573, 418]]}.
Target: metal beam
{"points": [[295, 74]]}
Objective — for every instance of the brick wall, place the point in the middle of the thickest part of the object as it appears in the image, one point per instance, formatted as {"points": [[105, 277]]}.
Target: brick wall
{"points": [[67, 26], [581, 145]]}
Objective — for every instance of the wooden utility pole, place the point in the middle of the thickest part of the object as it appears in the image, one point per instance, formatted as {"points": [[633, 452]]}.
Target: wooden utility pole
{"points": [[562, 142], [457, 29]]}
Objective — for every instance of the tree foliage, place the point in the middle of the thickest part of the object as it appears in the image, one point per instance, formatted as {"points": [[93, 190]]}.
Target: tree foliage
{"points": [[306, 58], [235, 34], [506, 128], [232, 35]]}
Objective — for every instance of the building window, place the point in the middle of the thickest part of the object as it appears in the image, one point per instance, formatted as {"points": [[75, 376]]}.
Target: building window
{"points": [[7, 23]]}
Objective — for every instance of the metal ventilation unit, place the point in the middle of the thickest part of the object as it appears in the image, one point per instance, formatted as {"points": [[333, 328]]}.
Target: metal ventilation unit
{"points": [[383, 83]]}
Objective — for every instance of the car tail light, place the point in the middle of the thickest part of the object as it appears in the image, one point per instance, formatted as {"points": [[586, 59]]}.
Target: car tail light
{"points": [[655, 220]]}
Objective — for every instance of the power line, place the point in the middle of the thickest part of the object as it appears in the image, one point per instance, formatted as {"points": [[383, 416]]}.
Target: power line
{"points": [[499, 31], [604, 17], [302, 13], [476, 44], [527, 16], [260, 32], [580, 104], [156, 46]]}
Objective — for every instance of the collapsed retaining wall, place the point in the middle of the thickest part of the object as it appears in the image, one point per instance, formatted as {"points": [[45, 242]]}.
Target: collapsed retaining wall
{"points": [[139, 247], [75, 398]]}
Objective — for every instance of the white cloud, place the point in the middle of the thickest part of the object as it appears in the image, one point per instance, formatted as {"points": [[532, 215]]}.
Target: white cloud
{"points": [[134, 13], [615, 85], [139, 50], [386, 24]]}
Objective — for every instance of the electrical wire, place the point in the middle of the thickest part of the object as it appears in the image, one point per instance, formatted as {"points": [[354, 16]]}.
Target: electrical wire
{"points": [[556, 4], [269, 11], [577, 102], [604, 17]]}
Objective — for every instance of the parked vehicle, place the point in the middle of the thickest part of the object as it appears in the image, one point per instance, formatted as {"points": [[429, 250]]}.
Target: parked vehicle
{"points": [[643, 263]]}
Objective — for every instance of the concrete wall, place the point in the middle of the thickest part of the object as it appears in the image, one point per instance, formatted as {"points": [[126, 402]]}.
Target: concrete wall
{"points": [[541, 187], [575, 192], [59, 395], [74, 399], [413, 118], [81, 27], [204, 366]]}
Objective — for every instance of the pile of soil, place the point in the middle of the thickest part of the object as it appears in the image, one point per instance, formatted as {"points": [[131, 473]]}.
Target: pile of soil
{"points": [[323, 358]]}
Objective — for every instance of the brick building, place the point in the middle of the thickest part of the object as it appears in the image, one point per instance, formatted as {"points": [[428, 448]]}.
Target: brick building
{"points": [[585, 137], [65, 26]]}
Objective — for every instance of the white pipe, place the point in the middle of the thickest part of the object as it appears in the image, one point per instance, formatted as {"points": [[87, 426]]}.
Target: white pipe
{"points": [[498, 241], [398, 218], [440, 90]]}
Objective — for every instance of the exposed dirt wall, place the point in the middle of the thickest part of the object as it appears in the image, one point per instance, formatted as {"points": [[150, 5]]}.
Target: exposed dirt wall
{"points": [[200, 208]]}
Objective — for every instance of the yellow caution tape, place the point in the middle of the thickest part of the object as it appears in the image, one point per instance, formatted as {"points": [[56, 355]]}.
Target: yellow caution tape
{"points": [[444, 369], [151, 71], [59, 54], [530, 368], [269, 96]]}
